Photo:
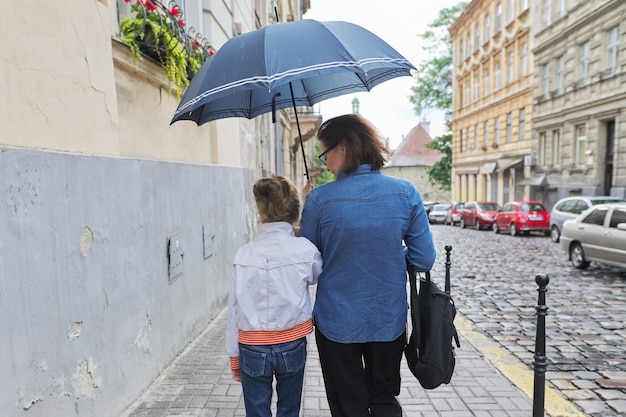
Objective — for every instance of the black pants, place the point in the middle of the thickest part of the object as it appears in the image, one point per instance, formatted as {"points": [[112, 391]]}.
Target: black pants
{"points": [[361, 379]]}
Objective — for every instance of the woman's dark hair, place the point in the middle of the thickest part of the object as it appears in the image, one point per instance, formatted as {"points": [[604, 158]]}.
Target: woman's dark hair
{"points": [[277, 199], [364, 144]]}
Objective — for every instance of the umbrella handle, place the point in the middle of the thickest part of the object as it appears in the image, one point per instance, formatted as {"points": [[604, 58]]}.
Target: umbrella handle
{"points": [[295, 110]]}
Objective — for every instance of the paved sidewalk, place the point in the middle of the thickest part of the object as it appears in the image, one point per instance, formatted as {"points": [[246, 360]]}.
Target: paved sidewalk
{"points": [[198, 384]]}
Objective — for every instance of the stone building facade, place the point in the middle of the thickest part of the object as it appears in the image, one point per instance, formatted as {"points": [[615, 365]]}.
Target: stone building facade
{"points": [[492, 101], [411, 159], [539, 88], [579, 96]]}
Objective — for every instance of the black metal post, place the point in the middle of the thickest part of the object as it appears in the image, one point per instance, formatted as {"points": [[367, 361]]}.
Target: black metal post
{"points": [[447, 284], [540, 363]]}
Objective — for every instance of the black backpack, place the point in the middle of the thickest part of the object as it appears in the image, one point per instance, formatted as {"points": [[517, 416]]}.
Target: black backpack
{"points": [[429, 352]]}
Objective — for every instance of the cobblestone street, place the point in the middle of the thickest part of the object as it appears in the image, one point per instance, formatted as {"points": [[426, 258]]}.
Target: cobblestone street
{"points": [[493, 283]]}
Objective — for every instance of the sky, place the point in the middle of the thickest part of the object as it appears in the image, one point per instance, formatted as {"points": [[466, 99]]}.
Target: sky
{"points": [[398, 22]]}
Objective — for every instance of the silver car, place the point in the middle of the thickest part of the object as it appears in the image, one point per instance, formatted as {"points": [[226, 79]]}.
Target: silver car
{"points": [[598, 235], [438, 213], [571, 207]]}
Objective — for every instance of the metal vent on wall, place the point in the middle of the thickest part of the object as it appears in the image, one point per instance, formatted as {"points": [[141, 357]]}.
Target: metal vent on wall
{"points": [[174, 257]]}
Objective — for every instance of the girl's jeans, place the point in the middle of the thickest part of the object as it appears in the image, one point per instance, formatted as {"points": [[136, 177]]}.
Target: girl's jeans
{"points": [[259, 363]]}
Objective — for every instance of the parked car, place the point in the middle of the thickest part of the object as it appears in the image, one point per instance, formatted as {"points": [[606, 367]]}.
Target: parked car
{"points": [[517, 217], [428, 206], [453, 216], [597, 235], [479, 214], [571, 207], [438, 213]]}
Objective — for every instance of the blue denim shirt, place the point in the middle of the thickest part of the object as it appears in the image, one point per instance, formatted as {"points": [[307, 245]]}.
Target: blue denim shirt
{"points": [[359, 222]]}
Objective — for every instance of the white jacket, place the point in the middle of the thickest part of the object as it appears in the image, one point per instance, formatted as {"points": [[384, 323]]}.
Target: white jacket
{"points": [[270, 285]]}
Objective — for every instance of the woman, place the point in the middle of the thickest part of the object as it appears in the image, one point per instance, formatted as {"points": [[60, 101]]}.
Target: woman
{"points": [[359, 223]]}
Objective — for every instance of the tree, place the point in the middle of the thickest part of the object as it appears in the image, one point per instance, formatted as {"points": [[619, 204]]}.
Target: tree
{"points": [[433, 89], [439, 173]]}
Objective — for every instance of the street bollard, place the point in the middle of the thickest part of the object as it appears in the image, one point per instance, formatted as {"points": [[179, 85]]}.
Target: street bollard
{"points": [[447, 285], [540, 363]]}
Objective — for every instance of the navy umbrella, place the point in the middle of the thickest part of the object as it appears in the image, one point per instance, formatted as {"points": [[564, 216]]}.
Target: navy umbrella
{"points": [[288, 64]]}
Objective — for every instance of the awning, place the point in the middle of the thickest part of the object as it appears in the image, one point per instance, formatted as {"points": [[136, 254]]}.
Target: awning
{"points": [[534, 181], [506, 163]]}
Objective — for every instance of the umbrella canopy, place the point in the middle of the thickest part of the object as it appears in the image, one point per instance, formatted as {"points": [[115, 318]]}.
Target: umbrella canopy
{"points": [[288, 64], [250, 74]]}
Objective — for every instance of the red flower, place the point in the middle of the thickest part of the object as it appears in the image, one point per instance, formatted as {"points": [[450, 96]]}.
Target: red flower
{"points": [[174, 11], [148, 4], [211, 52], [182, 22]]}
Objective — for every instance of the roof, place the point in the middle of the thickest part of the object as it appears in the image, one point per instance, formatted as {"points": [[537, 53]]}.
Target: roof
{"points": [[413, 152]]}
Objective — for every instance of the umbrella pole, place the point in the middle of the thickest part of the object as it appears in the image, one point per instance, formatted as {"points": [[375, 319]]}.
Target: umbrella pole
{"points": [[295, 110]]}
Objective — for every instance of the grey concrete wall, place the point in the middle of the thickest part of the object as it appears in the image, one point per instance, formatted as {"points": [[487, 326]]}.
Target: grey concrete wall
{"points": [[88, 315]]}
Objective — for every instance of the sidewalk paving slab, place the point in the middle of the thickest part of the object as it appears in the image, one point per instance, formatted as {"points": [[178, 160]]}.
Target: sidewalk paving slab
{"points": [[198, 384]]}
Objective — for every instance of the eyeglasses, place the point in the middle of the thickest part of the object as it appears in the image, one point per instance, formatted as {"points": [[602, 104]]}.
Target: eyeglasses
{"points": [[323, 155]]}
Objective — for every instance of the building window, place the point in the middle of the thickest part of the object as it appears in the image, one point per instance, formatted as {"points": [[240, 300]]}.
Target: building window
{"points": [[477, 36], [522, 124], [524, 5], [559, 74], [583, 70], [460, 140], [612, 45], [485, 135], [545, 13], [487, 34], [561, 8], [497, 76], [556, 148], [511, 10], [486, 83], [496, 132], [477, 136], [469, 45], [468, 97], [476, 85], [469, 139], [498, 17], [524, 60], [542, 149], [581, 144], [545, 80], [509, 127], [510, 67]]}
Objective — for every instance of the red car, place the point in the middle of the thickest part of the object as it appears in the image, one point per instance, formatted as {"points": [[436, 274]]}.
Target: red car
{"points": [[453, 216], [522, 217], [479, 214]]}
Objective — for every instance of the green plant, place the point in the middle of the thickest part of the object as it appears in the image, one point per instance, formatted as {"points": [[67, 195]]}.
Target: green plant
{"points": [[323, 175], [158, 32]]}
